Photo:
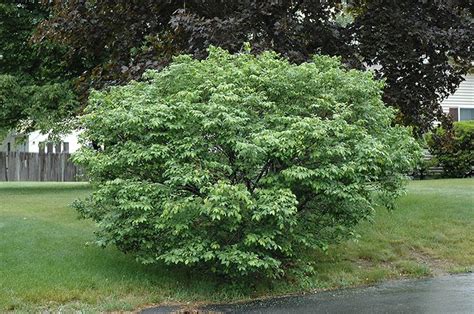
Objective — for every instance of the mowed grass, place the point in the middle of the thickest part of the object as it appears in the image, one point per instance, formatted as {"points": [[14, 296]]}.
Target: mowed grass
{"points": [[431, 232], [46, 262]]}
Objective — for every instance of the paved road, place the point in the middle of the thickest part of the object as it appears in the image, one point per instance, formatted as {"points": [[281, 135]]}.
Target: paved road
{"points": [[449, 294]]}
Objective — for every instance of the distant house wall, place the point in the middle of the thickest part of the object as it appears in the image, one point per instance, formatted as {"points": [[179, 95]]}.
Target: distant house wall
{"points": [[460, 105], [14, 143], [69, 143], [35, 140]]}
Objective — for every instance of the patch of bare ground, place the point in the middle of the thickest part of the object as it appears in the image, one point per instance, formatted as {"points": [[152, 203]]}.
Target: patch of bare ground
{"points": [[436, 265], [364, 263]]}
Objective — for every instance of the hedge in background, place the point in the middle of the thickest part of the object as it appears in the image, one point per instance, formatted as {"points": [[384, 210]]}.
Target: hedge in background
{"points": [[454, 149], [239, 163]]}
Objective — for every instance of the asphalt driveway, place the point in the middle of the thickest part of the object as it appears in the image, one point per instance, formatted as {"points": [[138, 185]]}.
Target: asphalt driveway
{"points": [[448, 294]]}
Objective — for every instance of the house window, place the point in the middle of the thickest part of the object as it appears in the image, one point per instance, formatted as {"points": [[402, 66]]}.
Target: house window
{"points": [[466, 114], [9, 147], [65, 147]]}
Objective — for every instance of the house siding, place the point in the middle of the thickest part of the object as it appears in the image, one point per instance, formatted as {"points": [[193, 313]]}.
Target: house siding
{"points": [[15, 143], [69, 143], [462, 98]]}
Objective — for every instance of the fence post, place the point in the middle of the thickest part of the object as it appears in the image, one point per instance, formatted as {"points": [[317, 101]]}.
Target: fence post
{"points": [[7, 162]]}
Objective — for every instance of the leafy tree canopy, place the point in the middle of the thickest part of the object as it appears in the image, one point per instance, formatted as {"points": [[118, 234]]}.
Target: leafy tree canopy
{"points": [[35, 87], [421, 48], [240, 163]]}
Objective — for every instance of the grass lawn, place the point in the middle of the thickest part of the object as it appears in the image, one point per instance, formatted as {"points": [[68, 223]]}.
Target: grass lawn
{"points": [[45, 261]]}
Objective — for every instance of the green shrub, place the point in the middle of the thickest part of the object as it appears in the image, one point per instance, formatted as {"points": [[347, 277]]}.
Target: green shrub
{"points": [[239, 163], [454, 148]]}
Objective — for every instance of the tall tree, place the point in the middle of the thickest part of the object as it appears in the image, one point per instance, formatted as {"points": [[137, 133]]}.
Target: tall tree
{"points": [[421, 48], [123, 38], [35, 87]]}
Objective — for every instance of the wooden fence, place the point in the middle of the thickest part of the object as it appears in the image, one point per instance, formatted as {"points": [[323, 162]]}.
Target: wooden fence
{"points": [[16, 166]]}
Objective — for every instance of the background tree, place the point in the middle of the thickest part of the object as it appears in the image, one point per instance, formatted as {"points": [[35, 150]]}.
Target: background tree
{"points": [[124, 38], [421, 48], [35, 83]]}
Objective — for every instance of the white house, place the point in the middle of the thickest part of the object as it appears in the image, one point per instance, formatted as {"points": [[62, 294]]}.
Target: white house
{"points": [[36, 142], [460, 105]]}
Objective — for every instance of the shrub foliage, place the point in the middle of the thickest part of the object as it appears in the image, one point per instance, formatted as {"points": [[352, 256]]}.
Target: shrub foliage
{"points": [[240, 163], [454, 148]]}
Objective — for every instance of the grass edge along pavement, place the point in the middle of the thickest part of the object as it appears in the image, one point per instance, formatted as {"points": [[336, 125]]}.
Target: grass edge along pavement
{"points": [[46, 263]]}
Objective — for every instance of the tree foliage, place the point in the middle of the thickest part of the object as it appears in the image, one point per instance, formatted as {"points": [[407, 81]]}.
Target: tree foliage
{"points": [[421, 48], [454, 149], [36, 91], [240, 163]]}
